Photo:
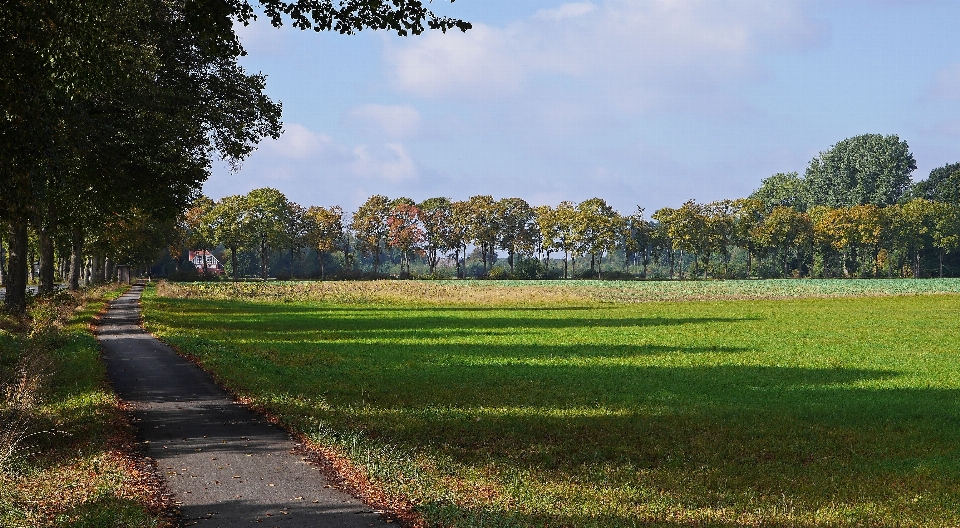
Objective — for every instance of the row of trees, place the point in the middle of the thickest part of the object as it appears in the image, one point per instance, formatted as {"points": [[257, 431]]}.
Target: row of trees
{"points": [[111, 114], [695, 238], [855, 212]]}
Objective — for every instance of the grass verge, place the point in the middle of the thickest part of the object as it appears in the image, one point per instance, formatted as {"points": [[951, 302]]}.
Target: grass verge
{"points": [[796, 412], [69, 443]]}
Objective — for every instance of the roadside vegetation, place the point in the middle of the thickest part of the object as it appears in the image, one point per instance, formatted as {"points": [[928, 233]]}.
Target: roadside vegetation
{"points": [[506, 410], [65, 444]]}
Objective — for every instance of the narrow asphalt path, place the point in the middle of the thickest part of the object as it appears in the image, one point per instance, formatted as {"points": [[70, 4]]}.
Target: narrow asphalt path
{"points": [[226, 466]]}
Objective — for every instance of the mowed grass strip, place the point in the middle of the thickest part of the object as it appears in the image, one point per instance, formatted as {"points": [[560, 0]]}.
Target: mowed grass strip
{"points": [[803, 412]]}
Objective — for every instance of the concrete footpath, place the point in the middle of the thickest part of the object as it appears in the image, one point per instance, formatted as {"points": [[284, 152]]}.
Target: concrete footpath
{"points": [[226, 466]]}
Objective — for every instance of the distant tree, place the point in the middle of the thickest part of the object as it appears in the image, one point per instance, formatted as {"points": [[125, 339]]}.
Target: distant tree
{"points": [[597, 230], [867, 169], [719, 232], [369, 225], [565, 219], [782, 190], [685, 228], [459, 234], [227, 221], [266, 219], [545, 219], [518, 232], [198, 233], [326, 231], [942, 185], [297, 232], [484, 230], [435, 217], [784, 232], [945, 234], [404, 231], [914, 225], [747, 216]]}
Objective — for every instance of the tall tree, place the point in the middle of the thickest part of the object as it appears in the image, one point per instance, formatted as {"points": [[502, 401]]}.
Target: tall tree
{"points": [[369, 225], [942, 185], [227, 221], [867, 169], [327, 231], [435, 218], [483, 228], [518, 232], [266, 219], [404, 231]]}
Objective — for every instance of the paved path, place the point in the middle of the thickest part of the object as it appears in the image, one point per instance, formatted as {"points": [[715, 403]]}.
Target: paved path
{"points": [[226, 465]]}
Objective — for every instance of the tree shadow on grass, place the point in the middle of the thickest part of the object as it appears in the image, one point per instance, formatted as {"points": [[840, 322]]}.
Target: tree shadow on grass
{"points": [[706, 433]]}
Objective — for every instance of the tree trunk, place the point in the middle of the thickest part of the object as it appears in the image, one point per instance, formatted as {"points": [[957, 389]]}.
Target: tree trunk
{"points": [[94, 269], [76, 259], [16, 297], [599, 265], [46, 257], [233, 262], [321, 266], [3, 263]]}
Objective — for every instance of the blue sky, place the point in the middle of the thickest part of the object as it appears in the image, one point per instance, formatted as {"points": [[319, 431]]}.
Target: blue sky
{"points": [[645, 103]]}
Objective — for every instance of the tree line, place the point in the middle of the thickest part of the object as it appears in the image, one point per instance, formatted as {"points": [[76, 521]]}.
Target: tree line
{"points": [[112, 113], [854, 213]]}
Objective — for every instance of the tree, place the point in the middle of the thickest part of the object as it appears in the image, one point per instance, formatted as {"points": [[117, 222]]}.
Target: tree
{"points": [[369, 225], [867, 169], [227, 222], [460, 224], [145, 90], [545, 218], [198, 233], [945, 234], [597, 230], [518, 232], [565, 219], [404, 231], [483, 228], [942, 185], [327, 231], [782, 190], [435, 217], [266, 219]]}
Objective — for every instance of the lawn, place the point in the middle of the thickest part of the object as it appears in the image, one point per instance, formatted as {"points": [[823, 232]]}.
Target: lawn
{"points": [[509, 411]]}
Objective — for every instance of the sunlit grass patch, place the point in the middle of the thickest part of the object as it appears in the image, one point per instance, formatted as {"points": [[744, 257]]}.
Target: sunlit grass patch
{"points": [[796, 412]]}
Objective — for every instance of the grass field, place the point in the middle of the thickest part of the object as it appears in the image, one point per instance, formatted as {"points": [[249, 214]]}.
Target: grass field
{"points": [[73, 466], [506, 410]]}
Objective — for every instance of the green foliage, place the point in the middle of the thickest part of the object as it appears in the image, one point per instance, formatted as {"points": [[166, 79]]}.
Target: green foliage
{"points": [[507, 413], [782, 190], [867, 169]]}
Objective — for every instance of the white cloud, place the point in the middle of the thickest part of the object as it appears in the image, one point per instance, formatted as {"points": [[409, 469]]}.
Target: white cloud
{"points": [[571, 10], [300, 143], [645, 54], [392, 121], [390, 162]]}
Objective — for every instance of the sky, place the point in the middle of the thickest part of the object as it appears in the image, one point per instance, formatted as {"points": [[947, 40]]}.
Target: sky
{"points": [[640, 102]]}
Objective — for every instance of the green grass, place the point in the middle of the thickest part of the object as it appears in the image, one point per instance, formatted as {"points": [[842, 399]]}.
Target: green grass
{"points": [[73, 470], [798, 412]]}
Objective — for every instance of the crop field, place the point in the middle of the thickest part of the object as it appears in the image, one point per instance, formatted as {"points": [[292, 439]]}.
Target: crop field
{"points": [[766, 403]]}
